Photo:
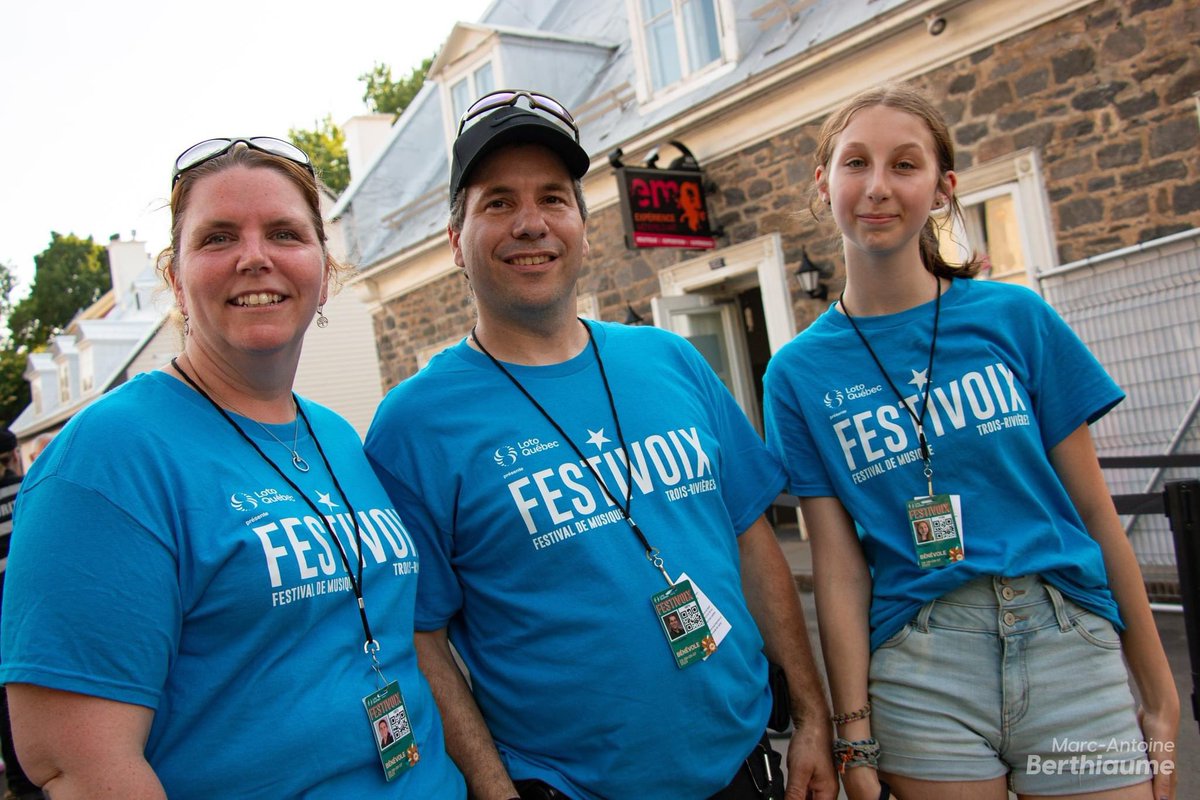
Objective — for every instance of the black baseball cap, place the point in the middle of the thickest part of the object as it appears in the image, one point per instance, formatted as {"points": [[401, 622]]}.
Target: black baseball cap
{"points": [[512, 125]]}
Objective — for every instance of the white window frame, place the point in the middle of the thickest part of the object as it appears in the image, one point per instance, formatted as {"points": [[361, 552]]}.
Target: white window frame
{"points": [[727, 56], [1020, 175]]}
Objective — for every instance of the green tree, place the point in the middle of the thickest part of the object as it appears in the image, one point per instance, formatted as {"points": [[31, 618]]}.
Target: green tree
{"points": [[326, 146], [69, 275], [325, 143], [14, 391], [386, 96]]}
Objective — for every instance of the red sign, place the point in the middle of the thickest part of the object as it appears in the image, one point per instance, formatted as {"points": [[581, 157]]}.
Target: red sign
{"points": [[664, 208]]}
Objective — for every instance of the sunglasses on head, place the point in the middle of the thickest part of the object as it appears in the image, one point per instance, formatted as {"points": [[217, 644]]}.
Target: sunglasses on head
{"points": [[553, 110], [209, 149]]}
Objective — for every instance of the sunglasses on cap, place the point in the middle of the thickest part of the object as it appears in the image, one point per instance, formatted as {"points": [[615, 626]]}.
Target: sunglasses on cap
{"points": [[553, 110], [209, 149]]}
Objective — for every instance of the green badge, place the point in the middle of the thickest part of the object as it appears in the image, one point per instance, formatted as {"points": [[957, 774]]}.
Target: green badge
{"points": [[683, 624], [936, 529], [391, 730]]}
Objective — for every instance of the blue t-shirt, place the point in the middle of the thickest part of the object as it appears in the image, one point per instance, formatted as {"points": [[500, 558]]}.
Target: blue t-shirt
{"points": [[160, 562], [543, 585], [1010, 381]]}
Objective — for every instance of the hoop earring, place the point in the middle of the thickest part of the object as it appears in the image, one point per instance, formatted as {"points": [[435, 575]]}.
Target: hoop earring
{"points": [[322, 320]]}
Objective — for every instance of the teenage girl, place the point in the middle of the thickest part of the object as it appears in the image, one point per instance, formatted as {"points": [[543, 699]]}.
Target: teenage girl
{"points": [[974, 587]]}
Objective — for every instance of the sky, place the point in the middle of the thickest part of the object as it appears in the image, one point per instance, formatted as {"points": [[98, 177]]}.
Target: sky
{"points": [[98, 98]]}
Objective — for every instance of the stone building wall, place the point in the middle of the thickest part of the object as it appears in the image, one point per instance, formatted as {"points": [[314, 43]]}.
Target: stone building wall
{"points": [[1107, 95]]}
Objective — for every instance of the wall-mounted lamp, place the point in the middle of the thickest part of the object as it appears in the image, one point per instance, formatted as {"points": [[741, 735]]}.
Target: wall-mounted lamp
{"points": [[809, 276], [632, 317], [935, 23], [614, 158]]}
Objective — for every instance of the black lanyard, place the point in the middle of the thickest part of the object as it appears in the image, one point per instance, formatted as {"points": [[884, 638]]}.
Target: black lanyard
{"points": [[652, 554], [926, 456], [370, 646]]}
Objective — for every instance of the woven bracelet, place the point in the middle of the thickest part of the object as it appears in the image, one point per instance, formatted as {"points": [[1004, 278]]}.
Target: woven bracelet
{"points": [[862, 713], [860, 753]]}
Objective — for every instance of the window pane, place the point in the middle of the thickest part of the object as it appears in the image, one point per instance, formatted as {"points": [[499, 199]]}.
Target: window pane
{"points": [[700, 30], [652, 8], [991, 230], [484, 80], [663, 54], [460, 96], [1002, 239]]}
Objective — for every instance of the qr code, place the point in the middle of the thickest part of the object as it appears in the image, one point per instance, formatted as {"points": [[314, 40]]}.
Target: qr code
{"points": [[943, 527], [691, 617], [398, 722]]}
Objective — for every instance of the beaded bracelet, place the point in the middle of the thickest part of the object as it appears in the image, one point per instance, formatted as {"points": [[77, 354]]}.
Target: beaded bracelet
{"points": [[862, 713], [860, 753]]}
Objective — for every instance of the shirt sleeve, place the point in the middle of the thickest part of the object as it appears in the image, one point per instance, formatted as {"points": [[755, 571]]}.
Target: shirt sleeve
{"points": [[439, 595], [1071, 386], [751, 477], [789, 437], [92, 600]]}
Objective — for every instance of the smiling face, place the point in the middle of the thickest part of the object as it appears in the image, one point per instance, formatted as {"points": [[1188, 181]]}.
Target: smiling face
{"points": [[522, 239], [250, 270], [881, 182]]}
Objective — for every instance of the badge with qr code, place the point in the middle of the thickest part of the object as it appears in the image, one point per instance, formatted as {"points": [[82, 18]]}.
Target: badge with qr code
{"points": [[682, 620], [936, 525], [391, 730]]}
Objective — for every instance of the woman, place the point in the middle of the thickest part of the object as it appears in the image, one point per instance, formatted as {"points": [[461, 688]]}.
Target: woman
{"points": [[186, 614], [969, 567]]}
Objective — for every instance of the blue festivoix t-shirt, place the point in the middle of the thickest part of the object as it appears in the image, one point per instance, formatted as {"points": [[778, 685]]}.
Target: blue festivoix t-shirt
{"points": [[161, 562], [545, 588], [1010, 381]]}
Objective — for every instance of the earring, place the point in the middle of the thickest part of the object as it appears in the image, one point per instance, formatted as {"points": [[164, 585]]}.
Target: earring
{"points": [[186, 328], [322, 320]]}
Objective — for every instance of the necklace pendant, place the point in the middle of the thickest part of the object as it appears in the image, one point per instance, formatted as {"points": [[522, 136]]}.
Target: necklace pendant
{"points": [[298, 462]]}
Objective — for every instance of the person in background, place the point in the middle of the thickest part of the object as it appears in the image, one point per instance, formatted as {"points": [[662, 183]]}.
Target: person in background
{"points": [[18, 785], [201, 553], [974, 661], [551, 436]]}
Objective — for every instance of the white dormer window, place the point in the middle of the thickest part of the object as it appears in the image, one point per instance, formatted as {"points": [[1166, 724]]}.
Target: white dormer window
{"points": [[468, 89], [678, 38]]}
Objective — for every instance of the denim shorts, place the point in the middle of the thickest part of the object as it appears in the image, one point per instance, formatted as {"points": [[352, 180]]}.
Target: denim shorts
{"points": [[1006, 676]]}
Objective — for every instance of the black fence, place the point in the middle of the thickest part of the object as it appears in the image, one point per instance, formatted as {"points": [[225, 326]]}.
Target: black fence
{"points": [[1179, 501]]}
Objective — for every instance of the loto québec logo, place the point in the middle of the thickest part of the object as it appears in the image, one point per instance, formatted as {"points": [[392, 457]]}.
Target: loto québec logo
{"points": [[505, 456]]}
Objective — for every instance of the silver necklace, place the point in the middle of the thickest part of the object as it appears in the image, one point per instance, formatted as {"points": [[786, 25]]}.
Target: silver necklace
{"points": [[297, 460]]}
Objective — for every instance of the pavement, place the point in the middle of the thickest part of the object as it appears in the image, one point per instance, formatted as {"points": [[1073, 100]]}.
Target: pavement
{"points": [[1170, 627]]}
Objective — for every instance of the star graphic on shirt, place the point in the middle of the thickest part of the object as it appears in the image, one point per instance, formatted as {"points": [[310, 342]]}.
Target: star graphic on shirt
{"points": [[324, 499], [919, 379], [598, 438]]}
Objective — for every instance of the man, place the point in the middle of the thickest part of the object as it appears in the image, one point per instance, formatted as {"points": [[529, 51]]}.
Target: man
{"points": [[385, 733], [19, 787], [569, 485]]}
